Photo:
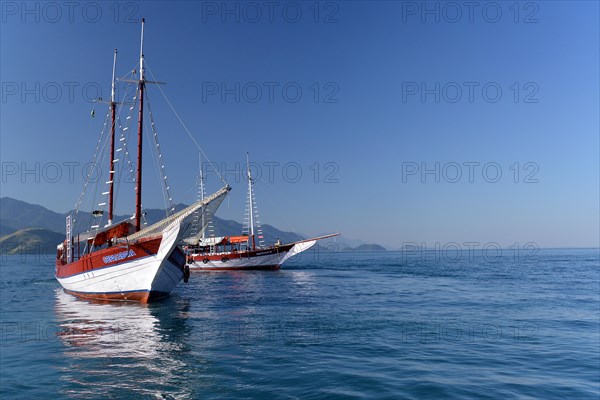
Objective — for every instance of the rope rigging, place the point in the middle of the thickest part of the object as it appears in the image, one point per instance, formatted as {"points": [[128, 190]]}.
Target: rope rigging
{"points": [[97, 152], [159, 163], [123, 163], [185, 127]]}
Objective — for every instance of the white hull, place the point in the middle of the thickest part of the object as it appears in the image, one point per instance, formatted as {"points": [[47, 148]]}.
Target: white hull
{"points": [[152, 274], [269, 261]]}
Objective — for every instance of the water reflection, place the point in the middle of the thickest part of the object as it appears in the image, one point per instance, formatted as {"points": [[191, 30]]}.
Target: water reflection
{"points": [[123, 349], [306, 279]]}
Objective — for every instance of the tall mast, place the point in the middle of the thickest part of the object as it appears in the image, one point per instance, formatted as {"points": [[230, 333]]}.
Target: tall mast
{"points": [[138, 188], [111, 173], [202, 197], [251, 202]]}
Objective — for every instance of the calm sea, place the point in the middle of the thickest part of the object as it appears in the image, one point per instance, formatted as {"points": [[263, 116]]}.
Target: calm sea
{"points": [[340, 325]]}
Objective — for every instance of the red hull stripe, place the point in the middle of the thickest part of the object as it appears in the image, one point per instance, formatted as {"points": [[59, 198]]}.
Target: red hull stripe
{"points": [[109, 257], [104, 267], [242, 254], [134, 295]]}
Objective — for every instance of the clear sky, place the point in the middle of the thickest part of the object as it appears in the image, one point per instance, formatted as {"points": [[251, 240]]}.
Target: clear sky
{"points": [[360, 98]]}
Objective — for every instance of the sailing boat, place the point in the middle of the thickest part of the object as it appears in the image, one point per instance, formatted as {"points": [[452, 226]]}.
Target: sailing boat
{"points": [[122, 261], [227, 253]]}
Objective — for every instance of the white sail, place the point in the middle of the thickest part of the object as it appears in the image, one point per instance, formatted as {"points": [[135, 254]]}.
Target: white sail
{"points": [[180, 216], [200, 224]]}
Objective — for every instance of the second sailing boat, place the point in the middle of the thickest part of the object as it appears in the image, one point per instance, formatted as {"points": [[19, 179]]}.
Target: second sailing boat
{"points": [[242, 252]]}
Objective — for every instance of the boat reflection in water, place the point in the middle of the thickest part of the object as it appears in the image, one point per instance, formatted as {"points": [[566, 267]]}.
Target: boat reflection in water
{"points": [[121, 349]]}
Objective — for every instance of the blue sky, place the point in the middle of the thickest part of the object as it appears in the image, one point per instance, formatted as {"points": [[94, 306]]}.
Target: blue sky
{"points": [[379, 105]]}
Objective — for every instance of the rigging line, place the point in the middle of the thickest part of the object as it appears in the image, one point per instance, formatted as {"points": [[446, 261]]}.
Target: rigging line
{"points": [[118, 174], [101, 160], [78, 203], [276, 203], [124, 156], [130, 73], [117, 166], [94, 199], [75, 212], [161, 162], [156, 163], [185, 127], [95, 161], [127, 79], [127, 93], [194, 187]]}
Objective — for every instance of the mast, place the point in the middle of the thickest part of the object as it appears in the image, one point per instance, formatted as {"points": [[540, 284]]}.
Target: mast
{"points": [[202, 197], [138, 188], [251, 202], [111, 173]]}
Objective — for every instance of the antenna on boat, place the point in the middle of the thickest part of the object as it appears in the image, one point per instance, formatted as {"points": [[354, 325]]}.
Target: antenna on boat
{"points": [[138, 188], [111, 173]]}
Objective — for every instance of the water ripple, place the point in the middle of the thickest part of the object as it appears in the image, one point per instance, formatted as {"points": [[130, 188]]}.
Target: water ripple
{"points": [[359, 326]]}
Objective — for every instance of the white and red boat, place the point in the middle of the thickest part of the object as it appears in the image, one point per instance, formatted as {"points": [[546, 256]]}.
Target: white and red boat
{"points": [[228, 253], [122, 261]]}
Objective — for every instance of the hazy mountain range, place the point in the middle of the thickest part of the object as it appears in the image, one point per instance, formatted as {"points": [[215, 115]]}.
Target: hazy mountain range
{"points": [[26, 227]]}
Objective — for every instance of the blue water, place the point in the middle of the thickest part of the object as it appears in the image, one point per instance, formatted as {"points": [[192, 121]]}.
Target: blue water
{"points": [[340, 325]]}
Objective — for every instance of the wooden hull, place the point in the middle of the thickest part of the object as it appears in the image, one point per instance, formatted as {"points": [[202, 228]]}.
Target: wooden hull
{"points": [[141, 296], [144, 271], [263, 259]]}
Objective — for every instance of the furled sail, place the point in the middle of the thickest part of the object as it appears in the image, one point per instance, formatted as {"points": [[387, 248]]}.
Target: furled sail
{"points": [[180, 216], [209, 241], [202, 223]]}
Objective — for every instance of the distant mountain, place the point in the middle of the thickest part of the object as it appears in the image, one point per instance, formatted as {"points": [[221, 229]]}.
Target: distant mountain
{"points": [[349, 242], [6, 230], [30, 240], [365, 247], [16, 215]]}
